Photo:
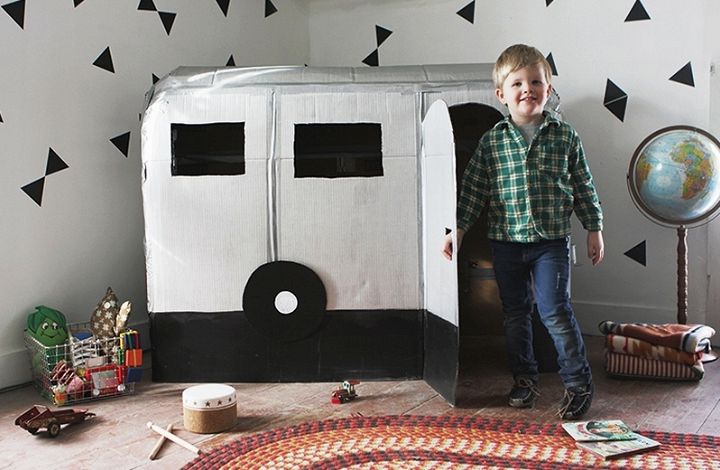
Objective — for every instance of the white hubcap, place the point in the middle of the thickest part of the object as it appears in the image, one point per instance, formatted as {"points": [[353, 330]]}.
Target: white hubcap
{"points": [[286, 302]]}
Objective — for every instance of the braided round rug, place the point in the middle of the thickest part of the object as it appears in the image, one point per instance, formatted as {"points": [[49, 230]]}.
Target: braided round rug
{"points": [[443, 442]]}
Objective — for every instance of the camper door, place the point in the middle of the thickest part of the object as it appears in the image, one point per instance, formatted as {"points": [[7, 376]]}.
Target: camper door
{"points": [[441, 285]]}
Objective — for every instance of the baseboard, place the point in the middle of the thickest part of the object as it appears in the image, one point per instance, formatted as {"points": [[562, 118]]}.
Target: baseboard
{"points": [[14, 369], [590, 314]]}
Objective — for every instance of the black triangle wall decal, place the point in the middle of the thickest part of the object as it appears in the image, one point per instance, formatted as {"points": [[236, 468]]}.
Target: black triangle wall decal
{"points": [[551, 61], [54, 163], [147, 5], [35, 190], [637, 12], [231, 61], [637, 253], [684, 75], [225, 4], [1, 120], [381, 34], [16, 10], [615, 100], [122, 142], [269, 8], [548, 2], [155, 79], [104, 61], [612, 92], [468, 12], [167, 20], [78, 2], [372, 59], [617, 108]]}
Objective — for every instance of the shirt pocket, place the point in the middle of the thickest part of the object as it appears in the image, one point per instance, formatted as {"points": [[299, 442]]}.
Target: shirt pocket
{"points": [[553, 161]]}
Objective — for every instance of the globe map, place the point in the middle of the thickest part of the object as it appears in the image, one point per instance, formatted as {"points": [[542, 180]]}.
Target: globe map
{"points": [[674, 176]]}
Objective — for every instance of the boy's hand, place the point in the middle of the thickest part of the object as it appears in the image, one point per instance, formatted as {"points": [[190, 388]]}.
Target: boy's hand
{"points": [[447, 248], [595, 247]]}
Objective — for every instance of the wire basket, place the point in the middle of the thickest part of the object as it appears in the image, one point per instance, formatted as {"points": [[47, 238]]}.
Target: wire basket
{"points": [[79, 370]]}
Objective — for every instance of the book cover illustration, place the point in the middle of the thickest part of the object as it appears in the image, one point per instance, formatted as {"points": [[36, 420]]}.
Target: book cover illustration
{"points": [[599, 430]]}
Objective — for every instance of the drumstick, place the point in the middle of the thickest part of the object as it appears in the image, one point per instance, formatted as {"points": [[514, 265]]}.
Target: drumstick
{"points": [[173, 438], [160, 443]]}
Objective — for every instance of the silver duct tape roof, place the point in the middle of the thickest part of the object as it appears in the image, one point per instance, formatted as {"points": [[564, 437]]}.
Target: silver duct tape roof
{"points": [[210, 78], [217, 78]]}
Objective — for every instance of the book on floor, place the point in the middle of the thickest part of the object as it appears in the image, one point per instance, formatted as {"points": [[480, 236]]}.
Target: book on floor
{"points": [[618, 449], [599, 430]]}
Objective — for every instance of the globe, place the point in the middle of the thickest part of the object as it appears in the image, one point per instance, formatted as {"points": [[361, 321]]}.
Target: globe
{"points": [[674, 176], [674, 179]]}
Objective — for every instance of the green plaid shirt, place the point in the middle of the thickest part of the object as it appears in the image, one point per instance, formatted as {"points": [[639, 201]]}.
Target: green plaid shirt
{"points": [[529, 191]]}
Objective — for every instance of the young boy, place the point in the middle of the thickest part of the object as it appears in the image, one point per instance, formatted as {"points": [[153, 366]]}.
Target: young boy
{"points": [[530, 172]]}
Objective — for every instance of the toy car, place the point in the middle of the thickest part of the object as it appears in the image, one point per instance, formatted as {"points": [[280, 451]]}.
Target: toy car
{"points": [[40, 416], [105, 382], [344, 393]]}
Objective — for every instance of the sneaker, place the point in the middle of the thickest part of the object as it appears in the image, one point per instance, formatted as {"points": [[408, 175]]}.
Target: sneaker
{"points": [[576, 402], [524, 393]]}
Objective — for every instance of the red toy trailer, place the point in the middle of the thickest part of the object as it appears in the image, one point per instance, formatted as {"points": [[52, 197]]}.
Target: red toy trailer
{"points": [[40, 416]]}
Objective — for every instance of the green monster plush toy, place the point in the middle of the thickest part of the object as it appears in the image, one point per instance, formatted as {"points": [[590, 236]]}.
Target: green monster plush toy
{"points": [[48, 326]]}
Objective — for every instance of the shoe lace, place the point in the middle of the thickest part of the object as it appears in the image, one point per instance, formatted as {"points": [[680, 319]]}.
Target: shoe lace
{"points": [[529, 384], [568, 399]]}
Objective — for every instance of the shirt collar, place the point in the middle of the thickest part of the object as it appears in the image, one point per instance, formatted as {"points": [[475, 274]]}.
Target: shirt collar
{"points": [[549, 120]]}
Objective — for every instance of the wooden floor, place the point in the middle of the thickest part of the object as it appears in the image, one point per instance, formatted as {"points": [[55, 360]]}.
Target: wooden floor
{"points": [[118, 438]]}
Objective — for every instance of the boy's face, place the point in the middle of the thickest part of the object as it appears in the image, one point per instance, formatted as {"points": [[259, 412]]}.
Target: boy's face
{"points": [[525, 92]]}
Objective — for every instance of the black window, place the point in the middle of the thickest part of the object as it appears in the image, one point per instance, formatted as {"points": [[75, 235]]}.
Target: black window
{"points": [[208, 149], [338, 150]]}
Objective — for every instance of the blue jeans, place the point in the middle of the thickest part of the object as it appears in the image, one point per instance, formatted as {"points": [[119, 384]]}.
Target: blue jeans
{"points": [[539, 273]]}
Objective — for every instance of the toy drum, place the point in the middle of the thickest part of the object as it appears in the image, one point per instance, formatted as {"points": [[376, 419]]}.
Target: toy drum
{"points": [[209, 408]]}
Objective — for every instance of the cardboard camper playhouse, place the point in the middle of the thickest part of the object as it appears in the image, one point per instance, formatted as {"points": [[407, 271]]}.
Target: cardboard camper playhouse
{"points": [[294, 218]]}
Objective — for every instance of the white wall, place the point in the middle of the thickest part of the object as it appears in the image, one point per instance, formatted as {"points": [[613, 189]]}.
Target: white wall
{"points": [[590, 43], [87, 234], [713, 46]]}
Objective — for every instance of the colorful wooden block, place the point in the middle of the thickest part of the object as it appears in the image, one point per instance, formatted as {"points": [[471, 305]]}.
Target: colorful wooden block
{"points": [[134, 374], [133, 357]]}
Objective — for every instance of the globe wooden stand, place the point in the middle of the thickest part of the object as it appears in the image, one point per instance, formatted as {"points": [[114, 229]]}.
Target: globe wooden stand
{"points": [[682, 273]]}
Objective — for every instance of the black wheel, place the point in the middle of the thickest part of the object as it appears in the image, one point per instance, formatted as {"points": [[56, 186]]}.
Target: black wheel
{"points": [[284, 301], [53, 428]]}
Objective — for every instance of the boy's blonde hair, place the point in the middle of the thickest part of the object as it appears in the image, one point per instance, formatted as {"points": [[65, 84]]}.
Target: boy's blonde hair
{"points": [[516, 57]]}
